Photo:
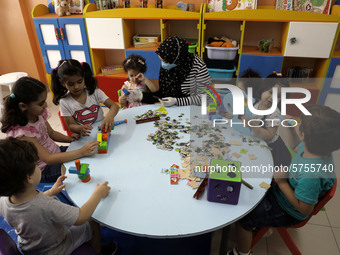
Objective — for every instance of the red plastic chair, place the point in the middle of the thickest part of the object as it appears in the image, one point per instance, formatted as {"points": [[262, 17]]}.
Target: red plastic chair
{"points": [[64, 125], [283, 230]]}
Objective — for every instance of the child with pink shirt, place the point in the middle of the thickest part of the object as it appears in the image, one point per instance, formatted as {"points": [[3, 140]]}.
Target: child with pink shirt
{"points": [[25, 117]]}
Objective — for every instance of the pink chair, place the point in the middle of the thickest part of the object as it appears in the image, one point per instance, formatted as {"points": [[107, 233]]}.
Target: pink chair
{"points": [[283, 230]]}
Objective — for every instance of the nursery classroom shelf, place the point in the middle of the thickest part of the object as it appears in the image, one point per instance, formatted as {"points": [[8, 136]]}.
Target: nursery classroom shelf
{"points": [[140, 13], [270, 15], [254, 50]]}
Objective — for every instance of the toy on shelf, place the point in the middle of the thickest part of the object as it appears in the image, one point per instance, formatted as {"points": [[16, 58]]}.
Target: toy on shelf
{"points": [[158, 3], [224, 182], [266, 45], [82, 170], [63, 7]]}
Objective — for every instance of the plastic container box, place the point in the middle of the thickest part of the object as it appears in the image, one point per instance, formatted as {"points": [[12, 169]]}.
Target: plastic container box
{"points": [[221, 52], [221, 74]]}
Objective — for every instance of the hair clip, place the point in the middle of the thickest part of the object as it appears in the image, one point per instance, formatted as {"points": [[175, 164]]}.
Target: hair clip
{"points": [[12, 95], [141, 61], [56, 68], [62, 63], [81, 63]]}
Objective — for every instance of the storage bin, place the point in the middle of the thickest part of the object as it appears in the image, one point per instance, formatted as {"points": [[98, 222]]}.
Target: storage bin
{"points": [[221, 52], [221, 74]]}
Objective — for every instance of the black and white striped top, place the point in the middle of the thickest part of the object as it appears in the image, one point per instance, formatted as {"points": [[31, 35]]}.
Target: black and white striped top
{"points": [[196, 79]]}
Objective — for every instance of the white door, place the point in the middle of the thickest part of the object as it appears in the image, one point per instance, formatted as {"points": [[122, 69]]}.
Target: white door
{"points": [[310, 39], [105, 33]]}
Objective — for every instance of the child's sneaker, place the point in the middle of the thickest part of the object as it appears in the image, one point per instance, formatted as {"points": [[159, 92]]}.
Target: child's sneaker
{"points": [[109, 249]]}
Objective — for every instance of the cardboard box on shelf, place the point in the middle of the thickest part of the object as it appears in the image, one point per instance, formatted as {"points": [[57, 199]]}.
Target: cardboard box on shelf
{"points": [[144, 38], [114, 69]]}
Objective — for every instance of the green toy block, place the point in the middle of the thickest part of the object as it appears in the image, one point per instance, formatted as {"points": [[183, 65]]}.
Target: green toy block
{"points": [[103, 145], [83, 168]]}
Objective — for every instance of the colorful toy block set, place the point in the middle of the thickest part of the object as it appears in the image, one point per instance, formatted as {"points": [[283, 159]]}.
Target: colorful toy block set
{"points": [[82, 170]]}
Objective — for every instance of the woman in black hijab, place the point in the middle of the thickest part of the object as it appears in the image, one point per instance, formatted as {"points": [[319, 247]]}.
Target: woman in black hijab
{"points": [[180, 76]]}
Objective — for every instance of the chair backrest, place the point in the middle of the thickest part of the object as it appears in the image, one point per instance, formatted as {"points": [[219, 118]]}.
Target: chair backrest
{"points": [[322, 202], [7, 245], [64, 125]]}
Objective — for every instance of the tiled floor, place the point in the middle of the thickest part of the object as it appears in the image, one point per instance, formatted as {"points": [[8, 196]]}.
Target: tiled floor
{"points": [[320, 236]]}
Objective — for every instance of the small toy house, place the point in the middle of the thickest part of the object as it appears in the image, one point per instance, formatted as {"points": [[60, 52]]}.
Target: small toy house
{"points": [[224, 181]]}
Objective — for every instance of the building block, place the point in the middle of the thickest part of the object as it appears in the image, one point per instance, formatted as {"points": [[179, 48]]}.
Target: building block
{"points": [[99, 137], [224, 183], [83, 172], [77, 162], [104, 137]]}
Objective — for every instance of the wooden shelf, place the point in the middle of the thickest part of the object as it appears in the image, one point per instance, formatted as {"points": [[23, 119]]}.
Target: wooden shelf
{"points": [[117, 75], [270, 15], [147, 48], [142, 13], [254, 50], [336, 54]]}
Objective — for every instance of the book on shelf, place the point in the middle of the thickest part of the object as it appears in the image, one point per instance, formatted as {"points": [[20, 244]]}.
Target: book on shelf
{"points": [[229, 5]]}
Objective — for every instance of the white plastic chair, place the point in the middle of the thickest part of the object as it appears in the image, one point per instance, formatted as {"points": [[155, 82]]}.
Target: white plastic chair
{"points": [[8, 80]]}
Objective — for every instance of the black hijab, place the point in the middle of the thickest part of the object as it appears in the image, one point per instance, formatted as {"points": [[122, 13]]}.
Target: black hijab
{"points": [[174, 50]]}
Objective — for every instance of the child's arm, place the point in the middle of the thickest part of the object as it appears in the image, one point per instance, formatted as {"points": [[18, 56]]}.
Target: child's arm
{"points": [[74, 127], [292, 137], [59, 137], [88, 208], [88, 149], [287, 190], [108, 121], [57, 186], [266, 134], [153, 87]]}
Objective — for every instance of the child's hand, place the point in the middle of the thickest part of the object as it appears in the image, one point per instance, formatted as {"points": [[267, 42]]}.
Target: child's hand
{"points": [[227, 115], [86, 130], [90, 148], [102, 189], [140, 77], [74, 137], [107, 124], [57, 186]]}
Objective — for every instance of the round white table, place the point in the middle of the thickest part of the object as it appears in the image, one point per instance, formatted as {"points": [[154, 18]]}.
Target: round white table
{"points": [[142, 201]]}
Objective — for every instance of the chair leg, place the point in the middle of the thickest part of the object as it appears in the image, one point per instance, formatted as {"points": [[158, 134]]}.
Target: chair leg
{"points": [[288, 241], [258, 235]]}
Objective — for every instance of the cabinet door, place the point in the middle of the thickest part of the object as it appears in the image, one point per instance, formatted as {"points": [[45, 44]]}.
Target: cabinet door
{"points": [[330, 94], [310, 39], [153, 62], [50, 42], [264, 65], [105, 33], [73, 36]]}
